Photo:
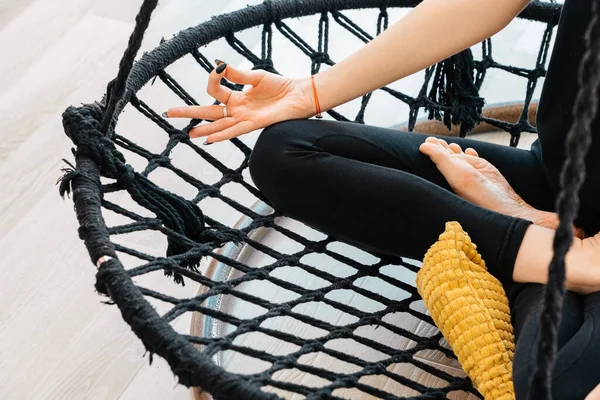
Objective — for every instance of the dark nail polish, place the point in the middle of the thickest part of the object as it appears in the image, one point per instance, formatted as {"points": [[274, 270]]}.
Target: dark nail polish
{"points": [[219, 62], [165, 115], [206, 143], [221, 68]]}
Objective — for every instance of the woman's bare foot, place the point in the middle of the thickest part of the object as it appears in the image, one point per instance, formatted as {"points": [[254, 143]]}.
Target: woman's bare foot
{"points": [[479, 182], [474, 178]]}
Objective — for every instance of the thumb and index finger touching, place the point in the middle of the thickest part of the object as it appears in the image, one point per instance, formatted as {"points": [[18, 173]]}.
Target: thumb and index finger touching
{"points": [[217, 91], [235, 75]]}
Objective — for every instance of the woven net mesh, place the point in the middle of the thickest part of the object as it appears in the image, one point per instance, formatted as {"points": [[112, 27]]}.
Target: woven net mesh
{"points": [[304, 302]]}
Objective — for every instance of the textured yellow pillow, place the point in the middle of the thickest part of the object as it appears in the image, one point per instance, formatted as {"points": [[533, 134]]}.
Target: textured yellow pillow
{"points": [[470, 308]]}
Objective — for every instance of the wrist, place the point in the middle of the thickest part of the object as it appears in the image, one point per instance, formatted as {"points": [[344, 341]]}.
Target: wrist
{"points": [[308, 99]]}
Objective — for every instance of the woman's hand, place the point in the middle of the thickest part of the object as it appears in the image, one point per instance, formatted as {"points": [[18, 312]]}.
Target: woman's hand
{"points": [[272, 98]]}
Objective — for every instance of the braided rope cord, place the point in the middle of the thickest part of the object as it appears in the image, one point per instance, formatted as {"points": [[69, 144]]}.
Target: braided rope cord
{"points": [[193, 235], [572, 177]]}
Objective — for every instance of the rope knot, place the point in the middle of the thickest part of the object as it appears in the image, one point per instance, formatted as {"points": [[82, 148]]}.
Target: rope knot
{"points": [[266, 64], [319, 57], [313, 345], [317, 296], [162, 160], [484, 64], [271, 16], [209, 191], [83, 122], [371, 319], [232, 176], [180, 136], [84, 126], [284, 363], [419, 102], [538, 72], [127, 177]]}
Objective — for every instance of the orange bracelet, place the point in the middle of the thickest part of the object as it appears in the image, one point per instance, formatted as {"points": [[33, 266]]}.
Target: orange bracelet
{"points": [[316, 98]]}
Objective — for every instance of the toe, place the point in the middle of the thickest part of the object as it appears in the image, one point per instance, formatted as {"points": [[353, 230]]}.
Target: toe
{"points": [[438, 153], [472, 152], [455, 148], [445, 145]]}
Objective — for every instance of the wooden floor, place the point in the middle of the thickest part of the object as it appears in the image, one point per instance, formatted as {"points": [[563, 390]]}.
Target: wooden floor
{"points": [[57, 340]]}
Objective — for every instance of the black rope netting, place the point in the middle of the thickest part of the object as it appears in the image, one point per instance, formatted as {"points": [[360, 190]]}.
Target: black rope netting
{"points": [[102, 176]]}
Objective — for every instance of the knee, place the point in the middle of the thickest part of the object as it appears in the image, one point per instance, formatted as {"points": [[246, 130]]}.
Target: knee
{"points": [[270, 158]]}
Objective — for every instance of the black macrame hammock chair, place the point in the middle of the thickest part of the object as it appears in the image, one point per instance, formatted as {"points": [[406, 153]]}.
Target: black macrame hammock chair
{"points": [[450, 93]]}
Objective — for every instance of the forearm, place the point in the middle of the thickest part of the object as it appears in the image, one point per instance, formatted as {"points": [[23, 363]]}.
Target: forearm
{"points": [[431, 32]]}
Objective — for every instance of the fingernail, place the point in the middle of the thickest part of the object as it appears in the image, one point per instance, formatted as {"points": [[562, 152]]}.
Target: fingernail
{"points": [[206, 143], [221, 68], [165, 115], [219, 62]]}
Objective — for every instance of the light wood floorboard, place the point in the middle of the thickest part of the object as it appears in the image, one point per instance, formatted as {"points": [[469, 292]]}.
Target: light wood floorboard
{"points": [[57, 340]]}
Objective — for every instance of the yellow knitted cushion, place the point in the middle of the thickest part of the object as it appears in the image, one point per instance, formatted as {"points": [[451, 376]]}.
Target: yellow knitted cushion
{"points": [[471, 310]]}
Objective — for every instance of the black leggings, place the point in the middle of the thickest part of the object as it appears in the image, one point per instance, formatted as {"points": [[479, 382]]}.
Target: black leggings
{"points": [[371, 187]]}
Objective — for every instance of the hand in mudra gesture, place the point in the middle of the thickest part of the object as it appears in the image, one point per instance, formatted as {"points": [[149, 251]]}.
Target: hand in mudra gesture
{"points": [[271, 98]]}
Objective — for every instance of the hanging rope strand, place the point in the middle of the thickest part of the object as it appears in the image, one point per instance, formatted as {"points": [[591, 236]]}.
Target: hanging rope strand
{"points": [[90, 128], [572, 178], [116, 87]]}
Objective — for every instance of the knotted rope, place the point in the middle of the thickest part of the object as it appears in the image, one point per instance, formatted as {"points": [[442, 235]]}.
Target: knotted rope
{"points": [[90, 127]]}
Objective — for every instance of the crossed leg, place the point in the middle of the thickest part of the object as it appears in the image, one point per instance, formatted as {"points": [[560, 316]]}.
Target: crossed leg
{"points": [[478, 181], [372, 187], [576, 372]]}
